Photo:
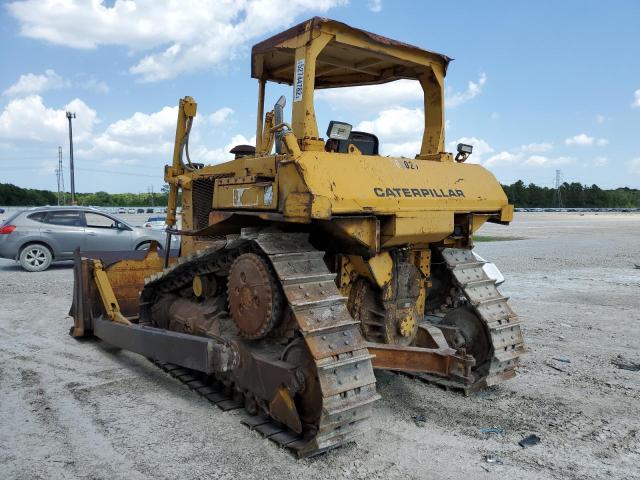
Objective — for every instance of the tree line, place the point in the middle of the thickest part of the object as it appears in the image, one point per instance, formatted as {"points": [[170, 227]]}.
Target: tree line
{"points": [[13, 196], [574, 195]]}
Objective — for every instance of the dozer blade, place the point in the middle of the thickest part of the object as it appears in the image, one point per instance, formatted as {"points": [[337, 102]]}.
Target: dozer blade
{"points": [[105, 304], [124, 271]]}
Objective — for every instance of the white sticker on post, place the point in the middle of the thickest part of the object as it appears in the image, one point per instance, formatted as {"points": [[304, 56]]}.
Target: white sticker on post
{"points": [[298, 80]]}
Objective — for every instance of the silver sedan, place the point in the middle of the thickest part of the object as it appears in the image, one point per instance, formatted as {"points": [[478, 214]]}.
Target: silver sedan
{"points": [[40, 236]]}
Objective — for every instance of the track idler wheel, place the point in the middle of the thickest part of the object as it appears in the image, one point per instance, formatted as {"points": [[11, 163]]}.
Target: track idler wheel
{"points": [[309, 399], [255, 297], [471, 334]]}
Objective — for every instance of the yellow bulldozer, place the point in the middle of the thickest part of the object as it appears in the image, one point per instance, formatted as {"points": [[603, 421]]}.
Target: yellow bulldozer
{"points": [[306, 263]]}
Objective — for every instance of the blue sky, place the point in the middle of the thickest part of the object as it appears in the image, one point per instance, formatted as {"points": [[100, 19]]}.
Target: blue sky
{"points": [[535, 86]]}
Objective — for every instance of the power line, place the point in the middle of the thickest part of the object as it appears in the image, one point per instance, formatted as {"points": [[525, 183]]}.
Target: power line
{"points": [[22, 159], [111, 172], [117, 173]]}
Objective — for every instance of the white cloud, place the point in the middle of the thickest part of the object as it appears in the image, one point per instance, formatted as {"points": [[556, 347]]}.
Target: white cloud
{"points": [[584, 140], [375, 6], [179, 36], [153, 135], [372, 97], [480, 148], [29, 119], [396, 124], [634, 165], [519, 158], [502, 158], [600, 161], [220, 116], [32, 83], [600, 119], [111, 162], [399, 130], [401, 92], [542, 161], [454, 99], [140, 134], [536, 147], [94, 85], [580, 139], [404, 149], [636, 99], [218, 155], [124, 142]]}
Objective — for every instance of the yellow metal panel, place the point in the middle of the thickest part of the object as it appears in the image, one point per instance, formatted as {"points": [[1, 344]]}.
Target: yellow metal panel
{"points": [[433, 86], [307, 205], [386, 185], [477, 221], [506, 213], [303, 117], [365, 230], [416, 228], [381, 267], [378, 269]]}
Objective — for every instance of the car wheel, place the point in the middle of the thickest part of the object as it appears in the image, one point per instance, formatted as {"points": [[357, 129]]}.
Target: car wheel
{"points": [[146, 245], [35, 258]]}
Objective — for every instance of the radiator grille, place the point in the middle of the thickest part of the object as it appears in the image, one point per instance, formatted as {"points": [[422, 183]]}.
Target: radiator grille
{"points": [[202, 201]]}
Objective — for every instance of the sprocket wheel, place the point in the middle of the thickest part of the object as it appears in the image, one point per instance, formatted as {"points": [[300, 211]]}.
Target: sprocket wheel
{"points": [[379, 324], [255, 296]]}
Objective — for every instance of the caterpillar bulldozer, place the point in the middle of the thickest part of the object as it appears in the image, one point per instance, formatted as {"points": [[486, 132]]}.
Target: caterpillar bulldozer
{"points": [[306, 263]]}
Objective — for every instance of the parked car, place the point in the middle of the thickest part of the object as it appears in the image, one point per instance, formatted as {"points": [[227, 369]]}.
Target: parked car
{"points": [[1, 210], [121, 210], [40, 236], [131, 210], [149, 210], [140, 210], [155, 223]]}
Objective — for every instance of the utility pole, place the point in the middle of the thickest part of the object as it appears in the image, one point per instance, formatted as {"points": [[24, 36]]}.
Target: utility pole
{"points": [[59, 174], [71, 115], [557, 196], [153, 203]]}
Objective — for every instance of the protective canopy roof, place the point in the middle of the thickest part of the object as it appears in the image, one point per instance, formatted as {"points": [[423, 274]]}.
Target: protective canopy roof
{"points": [[353, 57]]}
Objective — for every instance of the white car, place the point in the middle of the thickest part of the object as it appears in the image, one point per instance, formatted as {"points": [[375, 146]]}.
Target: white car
{"points": [[131, 210], [155, 223]]}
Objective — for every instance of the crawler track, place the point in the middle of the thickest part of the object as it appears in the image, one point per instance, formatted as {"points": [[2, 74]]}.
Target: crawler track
{"points": [[332, 337], [493, 309]]}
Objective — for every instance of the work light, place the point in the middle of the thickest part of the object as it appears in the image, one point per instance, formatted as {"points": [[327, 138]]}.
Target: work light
{"points": [[338, 130]]}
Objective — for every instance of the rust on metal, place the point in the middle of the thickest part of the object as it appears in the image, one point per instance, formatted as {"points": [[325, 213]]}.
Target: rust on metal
{"points": [[441, 361], [255, 298]]}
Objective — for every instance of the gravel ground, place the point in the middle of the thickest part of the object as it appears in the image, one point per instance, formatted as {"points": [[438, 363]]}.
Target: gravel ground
{"points": [[82, 409]]}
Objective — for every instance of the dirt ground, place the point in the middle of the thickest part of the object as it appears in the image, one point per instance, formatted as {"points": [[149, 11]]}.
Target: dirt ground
{"points": [[82, 409]]}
